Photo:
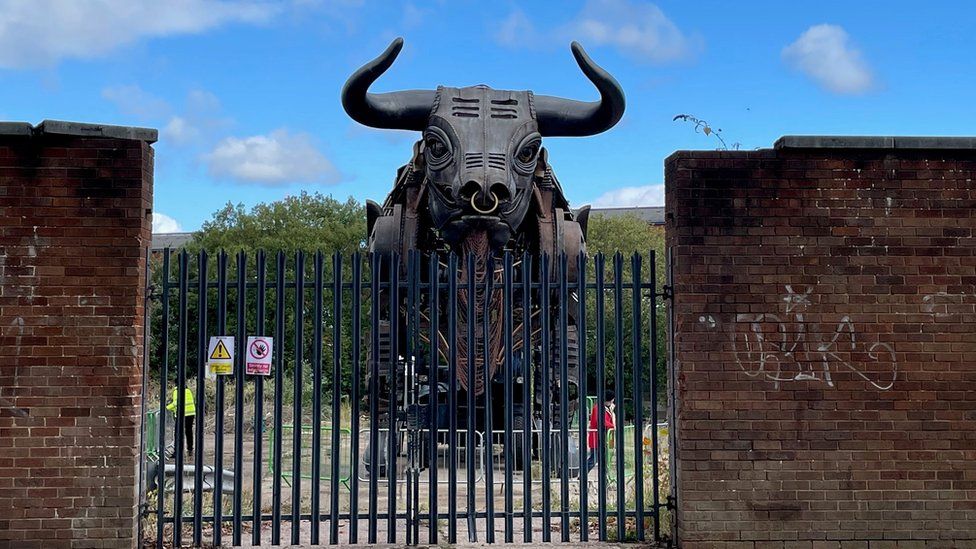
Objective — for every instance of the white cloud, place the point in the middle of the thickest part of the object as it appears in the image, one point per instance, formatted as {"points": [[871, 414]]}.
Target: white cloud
{"points": [[133, 100], [516, 30], [179, 131], [202, 102], [824, 53], [162, 223], [413, 16], [43, 32], [273, 159], [638, 29], [199, 116], [647, 195]]}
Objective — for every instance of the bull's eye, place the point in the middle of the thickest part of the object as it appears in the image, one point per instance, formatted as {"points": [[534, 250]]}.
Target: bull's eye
{"points": [[437, 148], [526, 154]]}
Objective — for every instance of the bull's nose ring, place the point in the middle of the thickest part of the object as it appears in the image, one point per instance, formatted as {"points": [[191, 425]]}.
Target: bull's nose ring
{"points": [[479, 210]]}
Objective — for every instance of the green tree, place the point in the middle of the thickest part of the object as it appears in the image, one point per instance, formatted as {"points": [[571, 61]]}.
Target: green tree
{"points": [[306, 223], [311, 222], [627, 235]]}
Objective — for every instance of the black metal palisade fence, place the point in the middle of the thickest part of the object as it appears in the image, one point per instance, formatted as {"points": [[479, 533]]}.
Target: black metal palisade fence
{"points": [[375, 422]]}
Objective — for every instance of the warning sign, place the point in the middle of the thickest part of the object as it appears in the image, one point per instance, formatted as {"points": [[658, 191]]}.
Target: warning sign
{"points": [[220, 355], [259, 355], [220, 351]]}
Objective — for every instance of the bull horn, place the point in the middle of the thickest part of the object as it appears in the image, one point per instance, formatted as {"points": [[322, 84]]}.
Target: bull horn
{"points": [[401, 110], [566, 117]]}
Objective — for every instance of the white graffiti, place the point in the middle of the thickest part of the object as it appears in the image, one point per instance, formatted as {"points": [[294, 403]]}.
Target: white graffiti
{"points": [[5, 404], [781, 348], [944, 304]]}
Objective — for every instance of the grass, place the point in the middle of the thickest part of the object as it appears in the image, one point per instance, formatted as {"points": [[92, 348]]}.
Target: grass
{"points": [[630, 526], [345, 420], [629, 486], [230, 394]]}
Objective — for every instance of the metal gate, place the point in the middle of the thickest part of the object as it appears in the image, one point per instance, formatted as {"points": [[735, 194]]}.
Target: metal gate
{"points": [[410, 400]]}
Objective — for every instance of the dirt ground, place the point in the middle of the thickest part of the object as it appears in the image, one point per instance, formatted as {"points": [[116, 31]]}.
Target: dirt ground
{"points": [[478, 496]]}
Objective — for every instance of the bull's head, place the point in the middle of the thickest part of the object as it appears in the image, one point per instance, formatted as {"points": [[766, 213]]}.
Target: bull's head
{"points": [[481, 147]]}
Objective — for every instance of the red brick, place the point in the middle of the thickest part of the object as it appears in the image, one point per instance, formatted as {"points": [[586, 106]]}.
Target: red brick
{"points": [[72, 276], [806, 247]]}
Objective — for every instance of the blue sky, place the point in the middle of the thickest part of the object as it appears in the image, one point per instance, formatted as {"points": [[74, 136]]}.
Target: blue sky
{"points": [[245, 93]]}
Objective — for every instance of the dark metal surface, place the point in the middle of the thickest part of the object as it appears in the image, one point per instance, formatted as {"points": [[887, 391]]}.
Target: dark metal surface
{"points": [[239, 343], [601, 388], [163, 376], [584, 413], [528, 375], [278, 364], [374, 412], [638, 394], [357, 309], [297, 394], [317, 345], [258, 407], [505, 460], [200, 398], [393, 450], [618, 362], [182, 341], [221, 328], [433, 400], [546, 404], [479, 185], [336, 399], [563, 339], [409, 110], [654, 419], [508, 447]]}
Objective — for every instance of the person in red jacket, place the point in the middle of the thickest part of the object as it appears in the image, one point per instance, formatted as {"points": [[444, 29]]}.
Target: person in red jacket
{"points": [[594, 434]]}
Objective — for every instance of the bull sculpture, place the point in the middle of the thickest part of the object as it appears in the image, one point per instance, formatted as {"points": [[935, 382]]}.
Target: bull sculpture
{"points": [[479, 183]]}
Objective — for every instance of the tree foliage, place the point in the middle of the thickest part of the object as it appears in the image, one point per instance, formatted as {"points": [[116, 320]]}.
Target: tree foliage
{"points": [[313, 222], [627, 235], [307, 222]]}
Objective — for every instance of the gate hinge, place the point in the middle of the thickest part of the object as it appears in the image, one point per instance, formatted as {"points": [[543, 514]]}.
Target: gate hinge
{"points": [[670, 503], [667, 291], [153, 294]]}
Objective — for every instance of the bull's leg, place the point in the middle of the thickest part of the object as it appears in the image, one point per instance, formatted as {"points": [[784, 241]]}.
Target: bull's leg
{"points": [[386, 368]]}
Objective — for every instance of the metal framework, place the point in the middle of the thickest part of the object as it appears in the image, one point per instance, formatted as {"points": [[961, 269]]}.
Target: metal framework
{"points": [[371, 462]]}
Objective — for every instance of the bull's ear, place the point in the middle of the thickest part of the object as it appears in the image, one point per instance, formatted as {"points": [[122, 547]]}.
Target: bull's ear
{"points": [[373, 212], [583, 218], [418, 163], [542, 163]]}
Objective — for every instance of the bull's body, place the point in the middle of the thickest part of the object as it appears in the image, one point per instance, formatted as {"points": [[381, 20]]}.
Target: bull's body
{"points": [[479, 186], [551, 229]]}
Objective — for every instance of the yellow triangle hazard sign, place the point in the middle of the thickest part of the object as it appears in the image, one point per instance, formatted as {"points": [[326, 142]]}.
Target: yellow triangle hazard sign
{"points": [[220, 352]]}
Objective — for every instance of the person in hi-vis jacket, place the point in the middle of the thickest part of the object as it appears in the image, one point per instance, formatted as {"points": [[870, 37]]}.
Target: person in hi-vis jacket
{"points": [[188, 413]]}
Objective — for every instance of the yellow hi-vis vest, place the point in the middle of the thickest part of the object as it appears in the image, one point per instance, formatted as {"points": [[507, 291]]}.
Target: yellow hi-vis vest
{"points": [[189, 408]]}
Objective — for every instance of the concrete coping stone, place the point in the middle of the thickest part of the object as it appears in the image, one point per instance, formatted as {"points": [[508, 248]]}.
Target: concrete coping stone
{"points": [[874, 142], [60, 127]]}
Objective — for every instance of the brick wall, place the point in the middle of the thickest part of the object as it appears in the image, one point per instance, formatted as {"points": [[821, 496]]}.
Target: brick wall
{"points": [[826, 343], [75, 204]]}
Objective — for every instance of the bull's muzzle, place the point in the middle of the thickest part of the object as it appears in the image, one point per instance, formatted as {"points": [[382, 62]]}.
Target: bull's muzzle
{"points": [[490, 210]]}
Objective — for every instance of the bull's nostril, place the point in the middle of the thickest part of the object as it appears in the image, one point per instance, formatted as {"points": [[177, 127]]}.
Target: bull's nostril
{"points": [[469, 189], [500, 190]]}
